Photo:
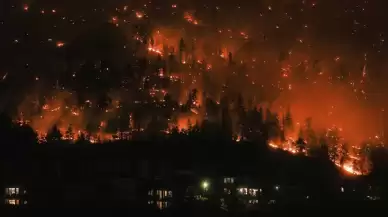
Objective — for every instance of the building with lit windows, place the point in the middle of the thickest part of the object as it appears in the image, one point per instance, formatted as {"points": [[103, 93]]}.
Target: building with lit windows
{"points": [[248, 195], [15, 196], [160, 197]]}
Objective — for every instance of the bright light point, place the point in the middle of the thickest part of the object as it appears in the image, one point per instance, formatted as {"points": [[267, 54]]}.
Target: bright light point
{"points": [[115, 20], [139, 15], [205, 185], [60, 44]]}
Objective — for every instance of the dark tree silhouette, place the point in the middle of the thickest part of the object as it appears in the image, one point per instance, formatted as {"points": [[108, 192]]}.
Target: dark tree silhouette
{"points": [[344, 153], [309, 133], [300, 143], [288, 121], [82, 139], [230, 58], [242, 116], [54, 135], [182, 48], [25, 135], [273, 125], [69, 134], [192, 99], [333, 139]]}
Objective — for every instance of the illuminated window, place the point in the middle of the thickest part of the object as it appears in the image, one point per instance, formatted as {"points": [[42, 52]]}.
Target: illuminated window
{"points": [[253, 192], [151, 192], [163, 193], [160, 194], [159, 204], [150, 202], [243, 191], [228, 180], [11, 191], [253, 201], [13, 202], [162, 204]]}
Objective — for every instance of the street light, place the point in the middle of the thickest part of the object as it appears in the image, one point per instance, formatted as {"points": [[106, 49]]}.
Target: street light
{"points": [[205, 185]]}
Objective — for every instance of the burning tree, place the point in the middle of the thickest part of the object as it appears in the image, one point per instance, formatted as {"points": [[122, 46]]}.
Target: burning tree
{"points": [[344, 154], [333, 139]]}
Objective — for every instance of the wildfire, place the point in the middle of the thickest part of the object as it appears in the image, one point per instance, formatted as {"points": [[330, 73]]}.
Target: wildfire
{"points": [[244, 35], [155, 50], [115, 20], [60, 44], [290, 147], [190, 18], [347, 167], [139, 15]]}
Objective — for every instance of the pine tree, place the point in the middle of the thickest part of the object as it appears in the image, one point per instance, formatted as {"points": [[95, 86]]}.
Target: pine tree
{"points": [[310, 134], [182, 45], [300, 134], [344, 154], [82, 139], [333, 139], [54, 135], [230, 58], [324, 148], [273, 125], [182, 48], [241, 115], [189, 125], [288, 121], [69, 134], [301, 145], [192, 99], [152, 42]]}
